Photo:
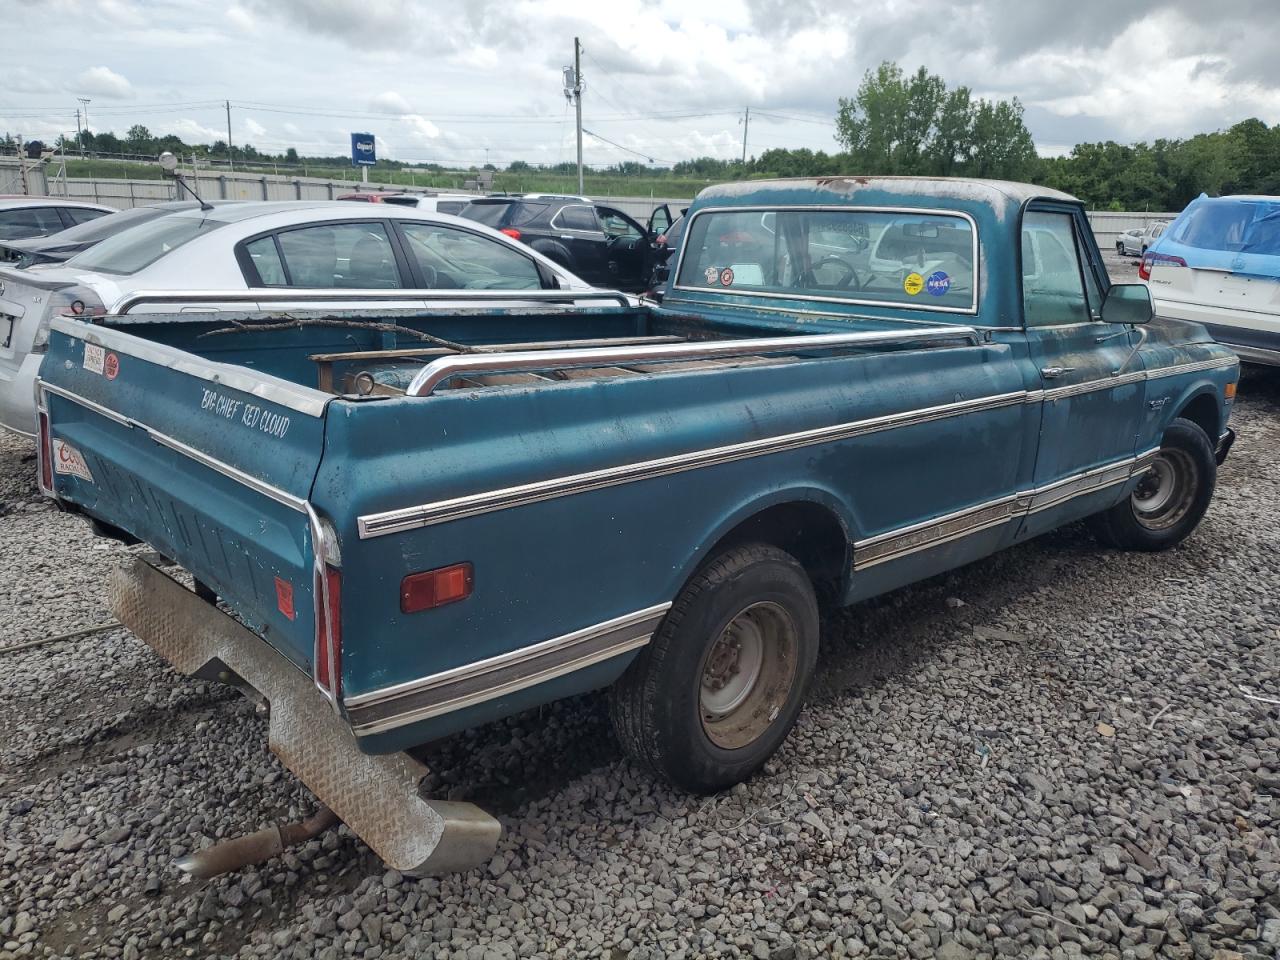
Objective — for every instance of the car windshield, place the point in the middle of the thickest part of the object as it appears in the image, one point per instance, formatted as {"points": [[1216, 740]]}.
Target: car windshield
{"points": [[142, 245], [909, 259], [108, 226]]}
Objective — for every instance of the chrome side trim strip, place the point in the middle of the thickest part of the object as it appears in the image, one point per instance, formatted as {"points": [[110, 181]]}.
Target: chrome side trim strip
{"points": [[285, 393], [443, 511], [268, 295], [1192, 367], [1091, 386], [474, 683], [939, 530], [213, 463]]}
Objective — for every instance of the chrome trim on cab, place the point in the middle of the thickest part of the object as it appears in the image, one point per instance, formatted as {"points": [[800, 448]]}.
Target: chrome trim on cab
{"points": [[474, 683], [934, 532], [443, 511]]}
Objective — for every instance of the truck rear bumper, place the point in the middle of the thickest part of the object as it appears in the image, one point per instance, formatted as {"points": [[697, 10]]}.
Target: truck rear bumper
{"points": [[376, 796]]}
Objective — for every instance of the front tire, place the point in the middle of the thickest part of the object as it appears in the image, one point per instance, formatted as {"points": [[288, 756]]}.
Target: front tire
{"points": [[719, 687], [1171, 497]]}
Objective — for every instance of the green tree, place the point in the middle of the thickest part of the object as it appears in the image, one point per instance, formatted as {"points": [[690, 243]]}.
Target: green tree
{"points": [[914, 125], [138, 139]]}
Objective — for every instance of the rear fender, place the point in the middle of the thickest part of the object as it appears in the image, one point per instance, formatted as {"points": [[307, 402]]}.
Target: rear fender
{"points": [[737, 520]]}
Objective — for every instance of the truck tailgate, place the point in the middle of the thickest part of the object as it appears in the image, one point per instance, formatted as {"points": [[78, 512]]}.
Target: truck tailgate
{"points": [[209, 463]]}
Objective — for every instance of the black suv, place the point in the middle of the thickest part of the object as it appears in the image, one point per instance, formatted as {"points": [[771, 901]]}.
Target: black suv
{"points": [[603, 246]]}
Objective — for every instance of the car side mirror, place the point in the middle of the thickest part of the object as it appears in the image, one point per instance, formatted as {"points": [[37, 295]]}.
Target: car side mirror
{"points": [[1128, 303]]}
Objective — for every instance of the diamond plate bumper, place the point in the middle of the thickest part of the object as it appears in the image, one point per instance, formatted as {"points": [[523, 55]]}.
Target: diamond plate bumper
{"points": [[376, 796]]}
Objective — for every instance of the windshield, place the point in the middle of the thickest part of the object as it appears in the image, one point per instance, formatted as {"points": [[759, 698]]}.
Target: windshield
{"points": [[1237, 226], [107, 226], [898, 257], [142, 245]]}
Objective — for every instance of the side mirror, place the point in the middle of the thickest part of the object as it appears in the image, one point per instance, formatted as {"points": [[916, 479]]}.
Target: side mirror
{"points": [[1128, 303]]}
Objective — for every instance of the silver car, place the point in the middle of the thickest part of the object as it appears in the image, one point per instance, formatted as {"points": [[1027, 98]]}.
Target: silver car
{"points": [[23, 217], [253, 256], [1134, 243]]}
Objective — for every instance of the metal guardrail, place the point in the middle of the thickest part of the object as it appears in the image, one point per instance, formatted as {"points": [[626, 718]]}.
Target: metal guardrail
{"points": [[444, 368], [297, 295]]}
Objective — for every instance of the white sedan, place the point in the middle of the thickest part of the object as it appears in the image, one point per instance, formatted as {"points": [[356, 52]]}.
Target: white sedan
{"points": [[261, 256]]}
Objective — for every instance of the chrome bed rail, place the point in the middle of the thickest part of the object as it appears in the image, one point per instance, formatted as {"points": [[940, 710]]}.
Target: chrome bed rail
{"points": [[338, 295], [447, 367]]}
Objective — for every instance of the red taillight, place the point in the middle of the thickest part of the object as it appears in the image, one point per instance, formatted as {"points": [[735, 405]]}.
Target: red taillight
{"points": [[1149, 260], [328, 665], [511, 232], [46, 453], [435, 588]]}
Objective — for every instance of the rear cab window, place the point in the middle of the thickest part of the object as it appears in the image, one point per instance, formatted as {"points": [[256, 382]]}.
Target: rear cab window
{"points": [[29, 222], [883, 257], [128, 252]]}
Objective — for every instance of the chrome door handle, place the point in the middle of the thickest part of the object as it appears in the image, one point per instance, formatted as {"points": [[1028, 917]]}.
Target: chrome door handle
{"points": [[1049, 373]]}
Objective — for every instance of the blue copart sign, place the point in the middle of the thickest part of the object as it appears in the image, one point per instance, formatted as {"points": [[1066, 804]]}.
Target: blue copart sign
{"points": [[362, 150]]}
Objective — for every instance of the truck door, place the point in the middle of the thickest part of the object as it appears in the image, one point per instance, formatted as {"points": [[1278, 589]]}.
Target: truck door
{"points": [[1091, 378]]}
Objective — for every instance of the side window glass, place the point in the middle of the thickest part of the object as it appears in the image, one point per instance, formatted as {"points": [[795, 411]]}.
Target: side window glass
{"points": [[577, 218], [266, 259], [616, 225], [81, 215], [1052, 289], [29, 222], [1092, 289], [453, 259], [350, 255]]}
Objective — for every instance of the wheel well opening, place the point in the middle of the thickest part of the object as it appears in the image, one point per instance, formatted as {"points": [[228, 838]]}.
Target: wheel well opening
{"points": [[1203, 412], [808, 531]]}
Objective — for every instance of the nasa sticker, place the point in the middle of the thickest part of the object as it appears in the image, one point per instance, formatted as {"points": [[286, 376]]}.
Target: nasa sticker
{"points": [[726, 277], [913, 283], [938, 283], [711, 274]]}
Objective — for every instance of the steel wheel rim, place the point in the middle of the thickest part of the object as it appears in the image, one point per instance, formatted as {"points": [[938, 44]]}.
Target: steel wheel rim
{"points": [[747, 674], [1165, 492]]}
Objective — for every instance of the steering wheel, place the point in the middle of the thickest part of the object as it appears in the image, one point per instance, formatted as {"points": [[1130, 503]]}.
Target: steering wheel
{"points": [[849, 279]]}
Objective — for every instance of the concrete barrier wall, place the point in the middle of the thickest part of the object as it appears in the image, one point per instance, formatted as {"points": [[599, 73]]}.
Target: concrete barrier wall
{"points": [[38, 179]]}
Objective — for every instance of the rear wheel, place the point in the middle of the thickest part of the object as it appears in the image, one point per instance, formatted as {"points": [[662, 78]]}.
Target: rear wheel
{"points": [[1170, 498], [721, 684]]}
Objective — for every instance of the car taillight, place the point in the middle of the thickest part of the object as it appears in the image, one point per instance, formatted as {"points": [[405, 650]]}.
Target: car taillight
{"points": [[435, 588], [511, 232], [1150, 259], [328, 653], [45, 454]]}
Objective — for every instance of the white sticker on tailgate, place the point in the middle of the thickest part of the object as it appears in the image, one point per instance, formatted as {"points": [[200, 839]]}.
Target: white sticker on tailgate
{"points": [[67, 459], [94, 358]]}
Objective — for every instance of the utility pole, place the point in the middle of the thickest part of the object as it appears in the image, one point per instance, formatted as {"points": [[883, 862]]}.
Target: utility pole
{"points": [[746, 123], [84, 102], [231, 166], [79, 138], [573, 91]]}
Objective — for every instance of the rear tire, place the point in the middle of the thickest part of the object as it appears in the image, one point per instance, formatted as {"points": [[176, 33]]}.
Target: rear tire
{"points": [[719, 687], [1171, 497]]}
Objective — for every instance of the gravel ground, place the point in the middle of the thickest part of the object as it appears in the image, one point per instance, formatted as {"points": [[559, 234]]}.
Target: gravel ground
{"points": [[1045, 754]]}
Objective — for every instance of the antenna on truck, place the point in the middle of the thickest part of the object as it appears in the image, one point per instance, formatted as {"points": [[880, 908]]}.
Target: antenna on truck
{"points": [[169, 164]]}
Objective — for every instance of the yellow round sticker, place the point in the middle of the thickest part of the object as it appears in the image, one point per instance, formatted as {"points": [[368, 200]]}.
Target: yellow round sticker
{"points": [[913, 283]]}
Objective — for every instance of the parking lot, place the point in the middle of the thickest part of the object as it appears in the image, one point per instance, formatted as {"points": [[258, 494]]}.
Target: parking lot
{"points": [[1059, 750]]}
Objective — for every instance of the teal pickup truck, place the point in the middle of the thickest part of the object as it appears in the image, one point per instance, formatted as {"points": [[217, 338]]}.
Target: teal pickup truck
{"points": [[403, 525]]}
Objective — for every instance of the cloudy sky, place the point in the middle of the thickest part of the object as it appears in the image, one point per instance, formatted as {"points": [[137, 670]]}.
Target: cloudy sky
{"points": [[467, 81]]}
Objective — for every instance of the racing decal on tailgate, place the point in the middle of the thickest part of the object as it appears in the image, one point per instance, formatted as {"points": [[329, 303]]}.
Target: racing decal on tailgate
{"points": [[67, 459]]}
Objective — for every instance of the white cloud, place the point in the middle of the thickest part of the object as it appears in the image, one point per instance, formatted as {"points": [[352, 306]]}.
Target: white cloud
{"points": [[104, 82], [254, 127], [389, 102], [240, 18]]}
